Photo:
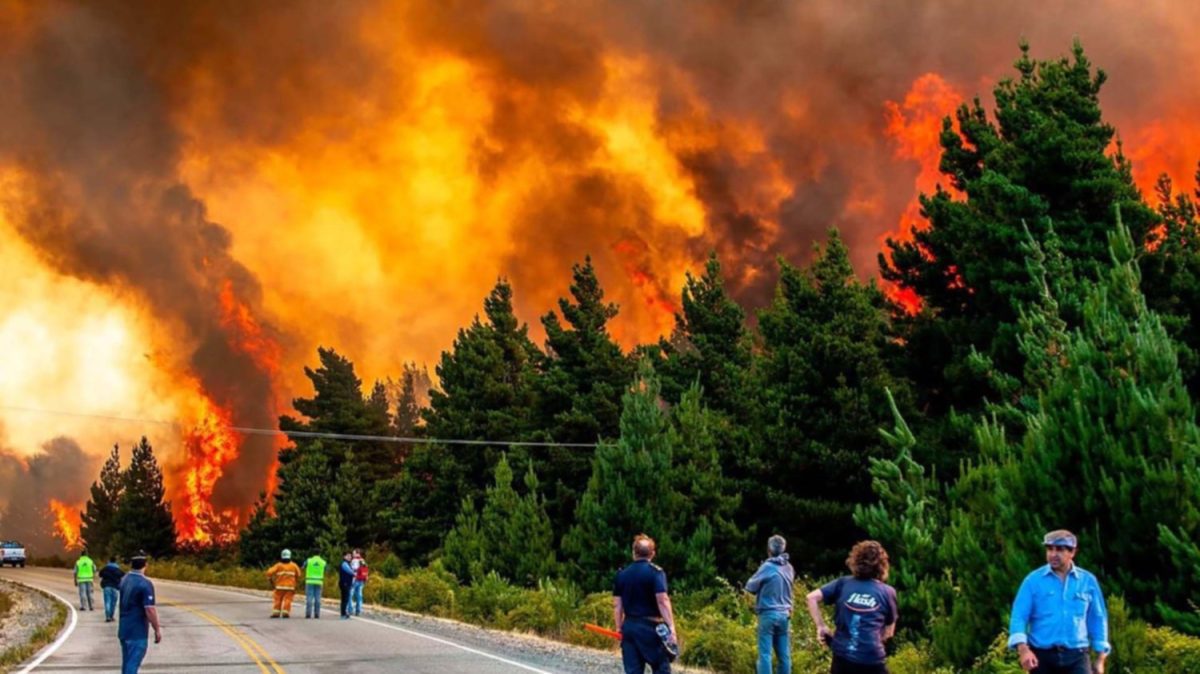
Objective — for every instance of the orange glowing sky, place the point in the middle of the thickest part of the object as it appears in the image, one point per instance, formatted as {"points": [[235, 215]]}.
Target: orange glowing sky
{"points": [[358, 175]]}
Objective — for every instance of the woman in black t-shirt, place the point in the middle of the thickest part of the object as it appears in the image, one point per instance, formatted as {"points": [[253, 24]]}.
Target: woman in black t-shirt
{"points": [[865, 615]]}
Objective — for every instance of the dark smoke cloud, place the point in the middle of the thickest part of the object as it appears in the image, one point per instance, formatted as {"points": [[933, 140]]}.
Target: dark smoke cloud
{"points": [[90, 127], [60, 470]]}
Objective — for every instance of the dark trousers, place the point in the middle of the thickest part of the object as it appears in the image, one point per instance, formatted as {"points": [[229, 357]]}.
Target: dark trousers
{"points": [[1054, 661], [345, 590], [842, 666], [641, 646]]}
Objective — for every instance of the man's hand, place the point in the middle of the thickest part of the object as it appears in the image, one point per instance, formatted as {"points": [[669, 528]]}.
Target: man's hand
{"points": [[1029, 661], [824, 635], [1098, 666], [157, 636]]}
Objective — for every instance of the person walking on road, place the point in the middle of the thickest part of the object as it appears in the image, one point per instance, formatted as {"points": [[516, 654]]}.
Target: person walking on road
{"points": [[283, 577], [642, 613], [772, 587], [138, 615], [314, 579], [345, 583], [1058, 613], [110, 583], [866, 613], [360, 581], [85, 575]]}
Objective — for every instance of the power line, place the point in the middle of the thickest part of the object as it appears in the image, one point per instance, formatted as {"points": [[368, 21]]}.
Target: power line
{"points": [[308, 434]]}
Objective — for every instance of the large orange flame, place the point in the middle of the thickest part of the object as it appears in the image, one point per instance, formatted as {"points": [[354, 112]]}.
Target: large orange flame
{"points": [[915, 127], [67, 522], [208, 446]]}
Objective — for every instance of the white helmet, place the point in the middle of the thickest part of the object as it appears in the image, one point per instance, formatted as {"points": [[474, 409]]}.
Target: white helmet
{"points": [[286, 554]]}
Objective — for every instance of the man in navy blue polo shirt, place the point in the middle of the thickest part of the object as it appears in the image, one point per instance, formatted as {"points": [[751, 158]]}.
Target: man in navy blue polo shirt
{"points": [[137, 616], [1059, 611], [640, 605]]}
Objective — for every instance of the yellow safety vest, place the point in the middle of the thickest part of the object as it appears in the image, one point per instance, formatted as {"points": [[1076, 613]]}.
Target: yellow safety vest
{"points": [[85, 569], [314, 570]]}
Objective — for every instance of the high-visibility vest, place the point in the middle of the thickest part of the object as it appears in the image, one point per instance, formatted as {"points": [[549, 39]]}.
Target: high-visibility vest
{"points": [[314, 570], [85, 569]]}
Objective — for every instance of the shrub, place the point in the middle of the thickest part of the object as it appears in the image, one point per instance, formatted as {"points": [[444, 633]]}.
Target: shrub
{"points": [[549, 610], [389, 567], [489, 601], [1173, 652], [422, 591], [713, 640], [597, 609]]}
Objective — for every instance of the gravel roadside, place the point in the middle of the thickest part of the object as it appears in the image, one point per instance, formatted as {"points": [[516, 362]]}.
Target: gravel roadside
{"points": [[31, 610], [552, 656]]}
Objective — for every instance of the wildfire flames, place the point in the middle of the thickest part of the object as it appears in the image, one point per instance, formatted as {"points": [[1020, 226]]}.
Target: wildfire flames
{"points": [[358, 175], [66, 523]]}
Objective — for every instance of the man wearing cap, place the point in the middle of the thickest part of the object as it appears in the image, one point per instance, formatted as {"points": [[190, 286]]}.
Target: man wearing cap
{"points": [[1058, 613], [641, 607], [283, 578], [138, 615]]}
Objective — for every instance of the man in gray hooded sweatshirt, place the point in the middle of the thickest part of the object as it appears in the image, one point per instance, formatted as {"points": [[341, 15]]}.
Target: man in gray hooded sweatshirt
{"points": [[772, 587]]}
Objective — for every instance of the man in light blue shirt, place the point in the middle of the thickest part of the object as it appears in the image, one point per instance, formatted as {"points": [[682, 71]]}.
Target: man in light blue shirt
{"points": [[772, 587], [1058, 613]]}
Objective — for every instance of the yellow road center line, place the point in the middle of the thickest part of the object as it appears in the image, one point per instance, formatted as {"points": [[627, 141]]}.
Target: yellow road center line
{"points": [[252, 647]]}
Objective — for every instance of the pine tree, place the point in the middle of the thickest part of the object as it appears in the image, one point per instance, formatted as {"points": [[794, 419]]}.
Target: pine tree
{"points": [[1043, 160], [332, 540], [824, 372], [97, 521], [302, 500], [710, 345], [584, 373], [511, 538], [1171, 274], [143, 519], [486, 392], [629, 492]]}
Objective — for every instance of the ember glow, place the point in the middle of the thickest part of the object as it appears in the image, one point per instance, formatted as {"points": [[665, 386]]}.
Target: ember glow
{"points": [[357, 175], [67, 521]]}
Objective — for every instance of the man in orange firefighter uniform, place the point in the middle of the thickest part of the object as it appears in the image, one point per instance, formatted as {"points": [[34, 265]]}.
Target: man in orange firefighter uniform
{"points": [[283, 576]]}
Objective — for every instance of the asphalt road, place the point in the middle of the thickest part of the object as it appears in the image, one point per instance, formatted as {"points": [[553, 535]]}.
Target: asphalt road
{"points": [[213, 630]]}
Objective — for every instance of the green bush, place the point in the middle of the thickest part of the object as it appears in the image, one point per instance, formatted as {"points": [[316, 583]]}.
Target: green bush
{"points": [[489, 601], [389, 567], [549, 610], [713, 640], [1174, 653], [596, 609], [421, 591]]}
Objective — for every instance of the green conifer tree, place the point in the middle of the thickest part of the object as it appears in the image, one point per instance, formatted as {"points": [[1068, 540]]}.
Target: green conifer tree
{"points": [[101, 509], [143, 519]]}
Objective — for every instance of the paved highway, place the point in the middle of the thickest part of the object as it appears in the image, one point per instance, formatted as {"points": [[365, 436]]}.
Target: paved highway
{"points": [[213, 630]]}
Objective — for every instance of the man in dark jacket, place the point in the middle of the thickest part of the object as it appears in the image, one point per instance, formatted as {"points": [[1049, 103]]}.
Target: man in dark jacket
{"points": [[110, 582], [345, 583], [772, 587]]}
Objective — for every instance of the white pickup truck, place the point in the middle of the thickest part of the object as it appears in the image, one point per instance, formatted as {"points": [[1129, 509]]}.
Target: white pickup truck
{"points": [[12, 552]]}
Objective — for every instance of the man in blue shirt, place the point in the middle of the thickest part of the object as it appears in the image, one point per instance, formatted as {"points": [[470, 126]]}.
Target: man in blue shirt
{"points": [[1059, 611], [772, 587], [137, 616], [640, 606]]}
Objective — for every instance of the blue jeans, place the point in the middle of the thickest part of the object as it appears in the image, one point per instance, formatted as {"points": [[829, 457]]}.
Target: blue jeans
{"points": [[312, 600], [774, 631], [133, 651], [85, 595], [111, 595], [356, 596], [1072, 661]]}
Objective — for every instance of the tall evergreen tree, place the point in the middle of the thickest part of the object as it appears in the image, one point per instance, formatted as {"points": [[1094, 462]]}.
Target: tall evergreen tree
{"points": [[629, 492], [1171, 274], [1043, 160], [143, 519], [302, 500], [1110, 451], [512, 537], [825, 367], [96, 529], [584, 373], [486, 392]]}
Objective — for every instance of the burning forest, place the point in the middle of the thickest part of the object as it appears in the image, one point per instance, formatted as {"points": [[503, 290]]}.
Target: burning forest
{"points": [[193, 200]]}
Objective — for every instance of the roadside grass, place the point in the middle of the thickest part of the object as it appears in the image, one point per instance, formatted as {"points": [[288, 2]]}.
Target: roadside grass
{"points": [[717, 628], [43, 635]]}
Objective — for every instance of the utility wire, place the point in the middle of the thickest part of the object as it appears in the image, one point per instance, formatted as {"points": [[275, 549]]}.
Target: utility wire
{"points": [[308, 434]]}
